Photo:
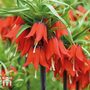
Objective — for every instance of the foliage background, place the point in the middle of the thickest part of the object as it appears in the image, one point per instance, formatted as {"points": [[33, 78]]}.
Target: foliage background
{"points": [[20, 84]]}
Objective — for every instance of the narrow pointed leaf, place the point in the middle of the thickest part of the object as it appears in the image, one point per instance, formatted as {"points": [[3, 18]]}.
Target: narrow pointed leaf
{"points": [[24, 27]]}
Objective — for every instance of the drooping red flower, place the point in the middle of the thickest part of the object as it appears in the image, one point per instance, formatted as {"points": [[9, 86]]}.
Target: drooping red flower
{"points": [[6, 24], [13, 32], [36, 58], [58, 73], [65, 62], [85, 79], [72, 15], [62, 49], [14, 29], [52, 48], [38, 31], [78, 59], [60, 29], [68, 66], [52, 52], [81, 9]]}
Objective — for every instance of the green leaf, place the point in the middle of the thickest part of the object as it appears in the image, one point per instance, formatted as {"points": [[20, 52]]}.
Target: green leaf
{"points": [[19, 80], [12, 10], [70, 35], [61, 3], [86, 51], [54, 12], [83, 18], [78, 35], [8, 3], [82, 41], [24, 27]]}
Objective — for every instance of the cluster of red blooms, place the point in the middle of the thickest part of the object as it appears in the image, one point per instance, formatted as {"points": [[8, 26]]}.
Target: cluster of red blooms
{"points": [[47, 49], [5, 76]]}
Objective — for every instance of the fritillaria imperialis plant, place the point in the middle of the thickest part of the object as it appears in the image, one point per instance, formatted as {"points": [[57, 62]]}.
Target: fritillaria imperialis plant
{"points": [[53, 34]]}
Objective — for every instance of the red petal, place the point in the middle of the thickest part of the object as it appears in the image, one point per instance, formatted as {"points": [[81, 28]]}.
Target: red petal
{"points": [[61, 29], [60, 33], [28, 43], [84, 80], [33, 30], [72, 51], [69, 67], [45, 34], [80, 54], [62, 49], [9, 21], [72, 86], [29, 58], [49, 49], [39, 33], [21, 36], [43, 61], [82, 66], [55, 46], [13, 32], [36, 58], [57, 67], [52, 48], [19, 21], [21, 45]]}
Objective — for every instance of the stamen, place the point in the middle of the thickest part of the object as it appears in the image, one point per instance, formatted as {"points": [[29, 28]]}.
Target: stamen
{"points": [[70, 80], [35, 48], [52, 61], [86, 64], [50, 68], [77, 74], [35, 74], [73, 65], [14, 26], [60, 71]]}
